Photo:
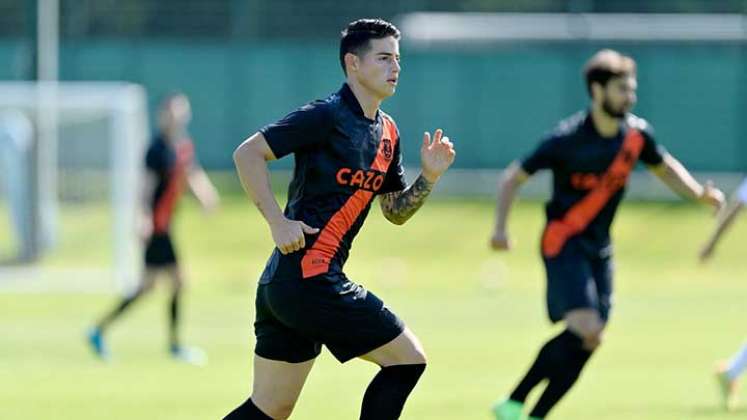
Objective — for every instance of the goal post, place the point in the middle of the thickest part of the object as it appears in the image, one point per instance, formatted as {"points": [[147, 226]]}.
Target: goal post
{"points": [[86, 170]]}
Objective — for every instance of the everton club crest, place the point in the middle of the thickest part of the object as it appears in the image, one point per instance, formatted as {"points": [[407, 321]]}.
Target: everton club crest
{"points": [[386, 148]]}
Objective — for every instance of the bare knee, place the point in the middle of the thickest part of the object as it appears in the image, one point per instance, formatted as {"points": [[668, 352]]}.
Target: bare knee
{"points": [[406, 349], [177, 289], [591, 335], [592, 338], [277, 385], [416, 356], [276, 408], [177, 279], [178, 284], [588, 325], [413, 356], [593, 341], [413, 353]]}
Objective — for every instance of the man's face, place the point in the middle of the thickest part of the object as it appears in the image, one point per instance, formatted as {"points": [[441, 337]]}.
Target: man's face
{"points": [[619, 96], [378, 68], [177, 113]]}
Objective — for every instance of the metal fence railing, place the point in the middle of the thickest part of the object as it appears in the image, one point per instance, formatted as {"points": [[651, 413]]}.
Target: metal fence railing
{"points": [[262, 19]]}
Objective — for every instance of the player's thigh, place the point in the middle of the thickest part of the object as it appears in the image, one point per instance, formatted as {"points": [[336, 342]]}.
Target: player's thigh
{"points": [[352, 321], [278, 384], [277, 338], [570, 284], [405, 349]]}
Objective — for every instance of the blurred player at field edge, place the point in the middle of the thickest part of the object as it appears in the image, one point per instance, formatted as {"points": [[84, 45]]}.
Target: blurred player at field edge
{"points": [[171, 167], [728, 373]]}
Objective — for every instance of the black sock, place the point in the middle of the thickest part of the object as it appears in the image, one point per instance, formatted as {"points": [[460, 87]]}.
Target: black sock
{"points": [[247, 411], [563, 375], [174, 320], [123, 305], [550, 355], [386, 394]]}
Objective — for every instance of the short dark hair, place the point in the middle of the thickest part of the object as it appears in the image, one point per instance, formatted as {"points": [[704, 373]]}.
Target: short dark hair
{"points": [[606, 65], [356, 36]]}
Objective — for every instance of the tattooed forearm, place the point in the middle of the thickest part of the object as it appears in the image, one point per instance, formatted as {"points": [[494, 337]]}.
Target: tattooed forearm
{"points": [[399, 206]]}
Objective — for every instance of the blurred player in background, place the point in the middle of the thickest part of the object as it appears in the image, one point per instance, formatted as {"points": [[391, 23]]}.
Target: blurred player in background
{"points": [[728, 373], [591, 155], [171, 167], [347, 152]]}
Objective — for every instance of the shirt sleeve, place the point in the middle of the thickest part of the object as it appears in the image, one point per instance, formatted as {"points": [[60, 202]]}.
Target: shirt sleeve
{"points": [[543, 157], [302, 129], [395, 175], [652, 153], [742, 192]]}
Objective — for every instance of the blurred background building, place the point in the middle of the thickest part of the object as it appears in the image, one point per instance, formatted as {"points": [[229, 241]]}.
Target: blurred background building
{"points": [[244, 63]]}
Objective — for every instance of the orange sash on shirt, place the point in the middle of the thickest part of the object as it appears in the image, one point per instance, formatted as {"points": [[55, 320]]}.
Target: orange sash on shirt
{"points": [[578, 217], [317, 259]]}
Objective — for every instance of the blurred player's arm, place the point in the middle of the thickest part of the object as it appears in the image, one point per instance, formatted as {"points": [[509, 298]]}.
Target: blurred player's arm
{"points": [[679, 180], [513, 177], [202, 188], [435, 157], [147, 192], [251, 159], [725, 218]]}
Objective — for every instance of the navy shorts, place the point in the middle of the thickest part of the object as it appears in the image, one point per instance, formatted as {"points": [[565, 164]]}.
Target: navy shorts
{"points": [[295, 317], [578, 280], [159, 251]]}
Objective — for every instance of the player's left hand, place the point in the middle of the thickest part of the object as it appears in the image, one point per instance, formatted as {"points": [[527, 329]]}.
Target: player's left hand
{"points": [[712, 196], [436, 156]]}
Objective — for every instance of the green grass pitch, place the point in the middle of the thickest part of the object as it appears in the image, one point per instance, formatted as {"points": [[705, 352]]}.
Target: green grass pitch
{"points": [[479, 314]]}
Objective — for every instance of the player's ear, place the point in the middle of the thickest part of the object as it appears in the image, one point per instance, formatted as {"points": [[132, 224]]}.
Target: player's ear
{"points": [[597, 91], [352, 62]]}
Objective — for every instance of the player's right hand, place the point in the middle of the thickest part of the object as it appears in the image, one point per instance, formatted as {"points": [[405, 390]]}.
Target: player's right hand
{"points": [[500, 242], [713, 196], [289, 235]]}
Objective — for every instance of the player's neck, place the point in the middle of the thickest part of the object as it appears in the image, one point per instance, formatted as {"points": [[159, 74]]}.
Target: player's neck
{"points": [[606, 125], [173, 134], [369, 103]]}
